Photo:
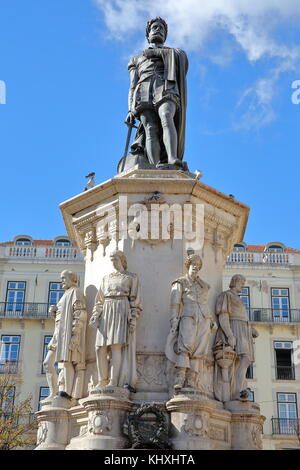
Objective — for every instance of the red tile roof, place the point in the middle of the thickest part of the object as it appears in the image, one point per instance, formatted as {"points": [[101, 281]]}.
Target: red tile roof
{"points": [[261, 248]]}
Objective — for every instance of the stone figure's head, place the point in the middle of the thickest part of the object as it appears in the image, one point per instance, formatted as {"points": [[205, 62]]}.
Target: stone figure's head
{"points": [[118, 260], [193, 264], [68, 279], [237, 282], [156, 30]]}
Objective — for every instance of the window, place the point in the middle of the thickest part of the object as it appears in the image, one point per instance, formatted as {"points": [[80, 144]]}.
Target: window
{"points": [[283, 355], [250, 395], [63, 242], [249, 373], [275, 249], [44, 393], [23, 242], [239, 247], [9, 354], [15, 296], [280, 304], [47, 340], [55, 292], [8, 401], [245, 298], [287, 412]]}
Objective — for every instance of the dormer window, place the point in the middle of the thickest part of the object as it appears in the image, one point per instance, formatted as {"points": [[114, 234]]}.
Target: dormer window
{"points": [[275, 249], [62, 242], [23, 242], [238, 247]]}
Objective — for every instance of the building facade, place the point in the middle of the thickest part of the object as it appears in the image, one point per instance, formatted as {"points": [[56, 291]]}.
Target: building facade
{"points": [[30, 282], [272, 298]]}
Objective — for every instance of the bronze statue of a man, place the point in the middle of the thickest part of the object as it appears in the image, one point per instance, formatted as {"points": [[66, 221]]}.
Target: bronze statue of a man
{"points": [[157, 97]]}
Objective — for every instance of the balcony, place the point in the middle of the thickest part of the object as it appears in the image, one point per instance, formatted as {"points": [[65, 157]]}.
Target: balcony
{"points": [[9, 367], [286, 426], [285, 373], [244, 257], [46, 253], [24, 419], [270, 315], [24, 310]]}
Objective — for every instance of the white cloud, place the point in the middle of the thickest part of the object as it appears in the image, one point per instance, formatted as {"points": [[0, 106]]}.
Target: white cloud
{"points": [[249, 25]]}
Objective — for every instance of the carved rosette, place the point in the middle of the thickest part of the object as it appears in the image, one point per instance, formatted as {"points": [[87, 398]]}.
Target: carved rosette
{"points": [[100, 422], [197, 425]]}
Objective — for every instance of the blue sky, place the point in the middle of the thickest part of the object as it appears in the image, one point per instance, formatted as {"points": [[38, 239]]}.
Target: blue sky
{"points": [[64, 63]]}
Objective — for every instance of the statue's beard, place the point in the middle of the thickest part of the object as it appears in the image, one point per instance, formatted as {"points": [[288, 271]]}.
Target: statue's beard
{"points": [[157, 38]]}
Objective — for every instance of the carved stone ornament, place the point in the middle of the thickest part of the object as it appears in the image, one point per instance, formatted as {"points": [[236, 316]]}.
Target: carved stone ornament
{"points": [[143, 433], [196, 425], [151, 370], [256, 434], [42, 432], [99, 422], [90, 242]]}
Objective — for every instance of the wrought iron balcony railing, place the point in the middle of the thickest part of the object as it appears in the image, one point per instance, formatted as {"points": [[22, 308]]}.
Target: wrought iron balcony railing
{"points": [[9, 367], [24, 310], [285, 373], [270, 315], [286, 426]]}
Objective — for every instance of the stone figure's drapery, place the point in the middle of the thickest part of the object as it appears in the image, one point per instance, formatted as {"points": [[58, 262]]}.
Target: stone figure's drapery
{"points": [[118, 301], [71, 315], [234, 339], [190, 341], [231, 304]]}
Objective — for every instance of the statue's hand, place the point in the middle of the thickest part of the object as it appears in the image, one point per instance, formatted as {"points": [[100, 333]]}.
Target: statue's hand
{"points": [[231, 341], [93, 320], [130, 119], [52, 310], [174, 326], [255, 333]]}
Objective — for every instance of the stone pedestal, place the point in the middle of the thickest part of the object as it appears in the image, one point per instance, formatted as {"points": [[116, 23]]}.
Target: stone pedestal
{"points": [[246, 425], [198, 424], [97, 220], [102, 417], [53, 425], [108, 217]]}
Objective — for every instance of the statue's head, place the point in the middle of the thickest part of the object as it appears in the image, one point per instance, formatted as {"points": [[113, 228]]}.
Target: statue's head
{"points": [[193, 263], [68, 279], [118, 259], [156, 30], [237, 281]]}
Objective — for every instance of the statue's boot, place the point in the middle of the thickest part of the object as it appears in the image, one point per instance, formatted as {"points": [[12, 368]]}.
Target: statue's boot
{"points": [[179, 378]]}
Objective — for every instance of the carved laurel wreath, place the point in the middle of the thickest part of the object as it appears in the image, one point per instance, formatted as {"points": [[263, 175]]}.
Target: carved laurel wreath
{"points": [[157, 437]]}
